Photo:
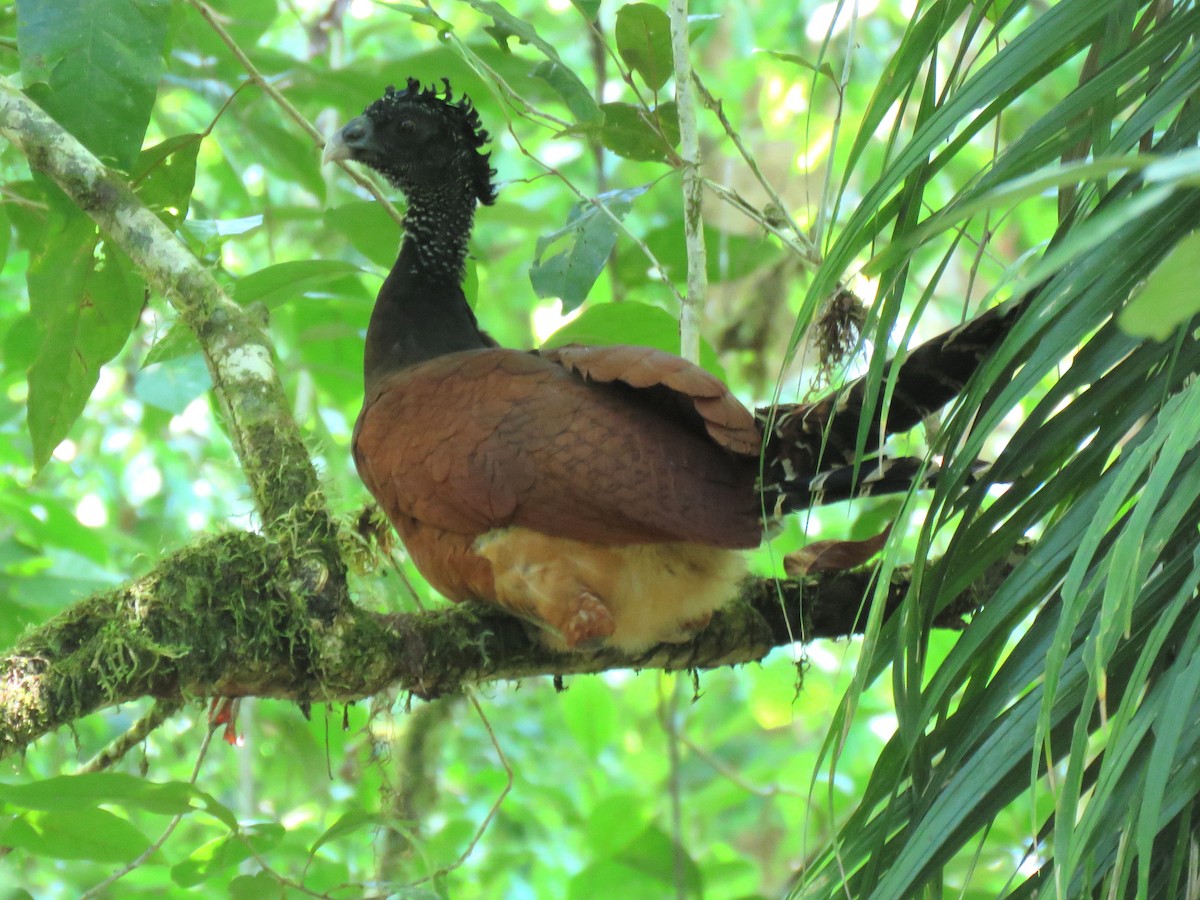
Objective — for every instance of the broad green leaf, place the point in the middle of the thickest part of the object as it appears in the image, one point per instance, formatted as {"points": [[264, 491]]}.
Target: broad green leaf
{"points": [[604, 324], [290, 152], [173, 384], [94, 834], [165, 174], [589, 8], [471, 282], [285, 281], [591, 233], [212, 232], [643, 35], [88, 308], [574, 93], [57, 577], [506, 25], [350, 822], [615, 820], [217, 856], [615, 878], [81, 57], [369, 228], [591, 715], [1170, 296], [655, 855], [179, 341], [730, 256], [69, 792], [260, 886], [635, 133], [54, 525], [244, 20], [424, 17]]}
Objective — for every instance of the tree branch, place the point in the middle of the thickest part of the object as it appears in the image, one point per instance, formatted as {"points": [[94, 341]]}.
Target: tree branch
{"points": [[235, 346], [245, 615], [693, 186]]}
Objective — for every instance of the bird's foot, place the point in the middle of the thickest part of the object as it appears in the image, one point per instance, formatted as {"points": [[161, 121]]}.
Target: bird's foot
{"points": [[584, 623]]}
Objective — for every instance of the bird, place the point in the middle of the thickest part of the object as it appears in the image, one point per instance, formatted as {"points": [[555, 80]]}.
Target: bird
{"points": [[603, 494]]}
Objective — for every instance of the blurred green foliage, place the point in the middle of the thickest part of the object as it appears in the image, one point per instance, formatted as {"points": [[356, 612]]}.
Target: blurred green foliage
{"points": [[631, 785]]}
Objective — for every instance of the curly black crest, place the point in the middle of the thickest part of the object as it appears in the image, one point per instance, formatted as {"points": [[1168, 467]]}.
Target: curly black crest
{"points": [[460, 116]]}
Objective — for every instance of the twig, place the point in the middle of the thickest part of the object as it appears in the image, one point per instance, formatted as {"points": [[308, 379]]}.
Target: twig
{"points": [[731, 774], [668, 717], [411, 792], [693, 187], [744, 206], [810, 254], [112, 754], [236, 349], [212, 17], [491, 814], [524, 108], [171, 826], [826, 202]]}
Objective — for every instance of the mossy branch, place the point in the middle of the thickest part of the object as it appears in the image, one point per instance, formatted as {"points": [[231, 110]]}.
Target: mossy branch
{"points": [[236, 348], [244, 615]]}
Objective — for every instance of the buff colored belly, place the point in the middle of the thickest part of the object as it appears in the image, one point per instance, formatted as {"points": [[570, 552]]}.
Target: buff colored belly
{"points": [[629, 597], [581, 595]]}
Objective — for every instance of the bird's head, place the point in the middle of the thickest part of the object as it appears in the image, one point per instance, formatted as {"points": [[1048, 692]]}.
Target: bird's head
{"points": [[420, 141]]}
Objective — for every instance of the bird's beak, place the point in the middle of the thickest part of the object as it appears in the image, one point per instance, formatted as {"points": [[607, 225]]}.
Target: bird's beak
{"points": [[335, 148], [354, 139]]}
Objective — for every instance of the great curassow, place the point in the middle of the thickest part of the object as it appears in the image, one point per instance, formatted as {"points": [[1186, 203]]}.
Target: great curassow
{"points": [[602, 493]]}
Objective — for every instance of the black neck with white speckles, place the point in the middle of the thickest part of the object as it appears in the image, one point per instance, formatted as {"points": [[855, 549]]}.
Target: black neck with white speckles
{"points": [[421, 311]]}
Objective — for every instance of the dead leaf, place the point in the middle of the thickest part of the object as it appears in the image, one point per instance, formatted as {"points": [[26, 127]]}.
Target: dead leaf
{"points": [[834, 556]]}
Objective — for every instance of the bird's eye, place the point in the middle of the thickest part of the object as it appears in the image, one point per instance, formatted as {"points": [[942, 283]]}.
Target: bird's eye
{"points": [[408, 125]]}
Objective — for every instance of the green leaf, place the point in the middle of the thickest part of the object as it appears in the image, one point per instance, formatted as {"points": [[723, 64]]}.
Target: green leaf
{"points": [[369, 228], [173, 384], [94, 66], [216, 856], [214, 231], [165, 174], [244, 20], [824, 69], [635, 133], [654, 854], [591, 234], [574, 92], [731, 256], [5, 236], [179, 341], [589, 8], [591, 715], [88, 308], [54, 525], [68, 792], [645, 867], [94, 834], [424, 17], [615, 820], [1170, 296], [644, 41], [285, 281], [610, 878], [507, 25], [630, 322], [258, 886], [348, 823]]}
